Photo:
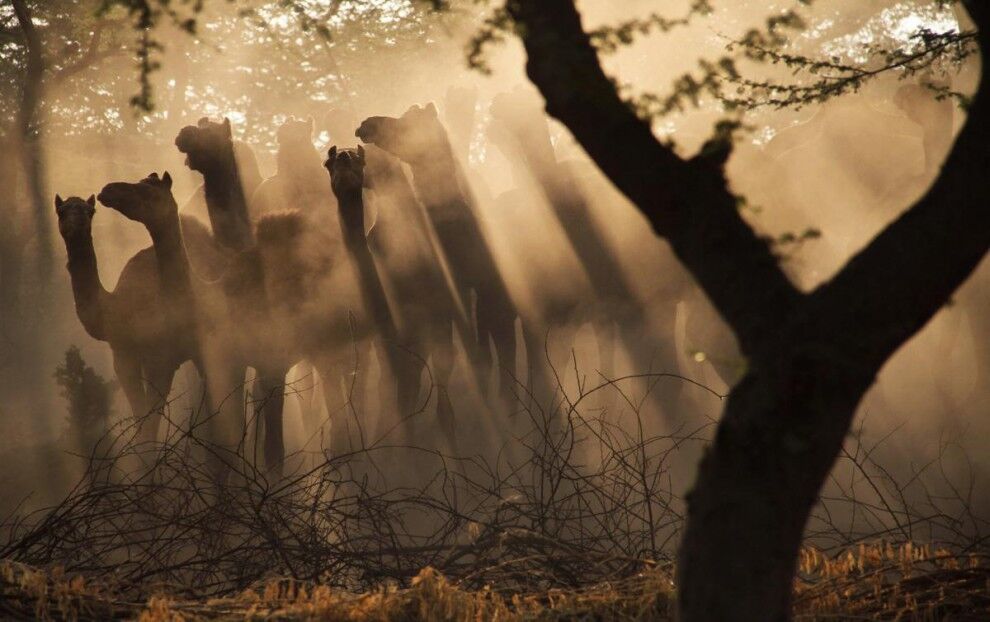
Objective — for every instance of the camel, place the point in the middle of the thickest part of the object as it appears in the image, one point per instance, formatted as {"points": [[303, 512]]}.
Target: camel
{"points": [[211, 151], [207, 150], [147, 346], [419, 139], [346, 168], [417, 326], [280, 301], [299, 181], [413, 263], [312, 290], [200, 311]]}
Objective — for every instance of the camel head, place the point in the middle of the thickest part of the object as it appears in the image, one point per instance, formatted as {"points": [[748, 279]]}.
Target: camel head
{"points": [[295, 132], [416, 137], [148, 201], [206, 144], [75, 216], [293, 256], [346, 167]]}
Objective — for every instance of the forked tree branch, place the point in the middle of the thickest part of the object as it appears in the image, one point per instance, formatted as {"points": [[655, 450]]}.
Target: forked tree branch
{"points": [[887, 292]]}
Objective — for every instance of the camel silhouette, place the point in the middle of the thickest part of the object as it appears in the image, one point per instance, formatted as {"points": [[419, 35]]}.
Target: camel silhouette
{"points": [[147, 345], [299, 181], [211, 151], [196, 306], [314, 295], [420, 140], [415, 327]]}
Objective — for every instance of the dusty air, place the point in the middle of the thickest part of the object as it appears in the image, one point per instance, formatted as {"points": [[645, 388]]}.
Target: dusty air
{"points": [[494, 309]]}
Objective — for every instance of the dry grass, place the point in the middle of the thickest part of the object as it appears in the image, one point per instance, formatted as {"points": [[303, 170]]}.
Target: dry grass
{"points": [[29, 593], [542, 533], [872, 582], [886, 582]]}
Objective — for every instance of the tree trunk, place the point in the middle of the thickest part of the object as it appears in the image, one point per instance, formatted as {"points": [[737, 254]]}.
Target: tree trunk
{"points": [[31, 147], [783, 426]]}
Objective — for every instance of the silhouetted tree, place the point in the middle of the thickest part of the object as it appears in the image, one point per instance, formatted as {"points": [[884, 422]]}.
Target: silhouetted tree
{"points": [[811, 355]]}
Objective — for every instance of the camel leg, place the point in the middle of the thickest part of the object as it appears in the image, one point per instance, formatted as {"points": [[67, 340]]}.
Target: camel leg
{"points": [[533, 342], [195, 389], [354, 370], [659, 358], [440, 342], [605, 335], [402, 372], [127, 366], [408, 377], [478, 350], [539, 378], [306, 394], [224, 421], [497, 320], [269, 402], [345, 435], [158, 385]]}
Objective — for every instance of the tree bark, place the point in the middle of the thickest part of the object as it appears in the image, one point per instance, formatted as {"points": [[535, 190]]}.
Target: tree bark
{"points": [[811, 356]]}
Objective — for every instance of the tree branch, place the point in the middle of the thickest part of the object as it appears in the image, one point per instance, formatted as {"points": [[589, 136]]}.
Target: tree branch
{"points": [[90, 57], [894, 286], [687, 202]]}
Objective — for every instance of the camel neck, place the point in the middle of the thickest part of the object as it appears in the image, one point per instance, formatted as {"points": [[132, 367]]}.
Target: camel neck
{"points": [[351, 206], [227, 207], [87, 288], [173, 267]]}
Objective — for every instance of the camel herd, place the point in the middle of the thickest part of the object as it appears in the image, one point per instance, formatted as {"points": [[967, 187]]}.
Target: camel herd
{"points": [[289, 272], [295, 271]]}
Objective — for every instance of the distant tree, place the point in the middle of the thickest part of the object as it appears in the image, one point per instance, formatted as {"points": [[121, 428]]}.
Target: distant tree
{"points": [[301, 57], [44, 47], [88, 397]]}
